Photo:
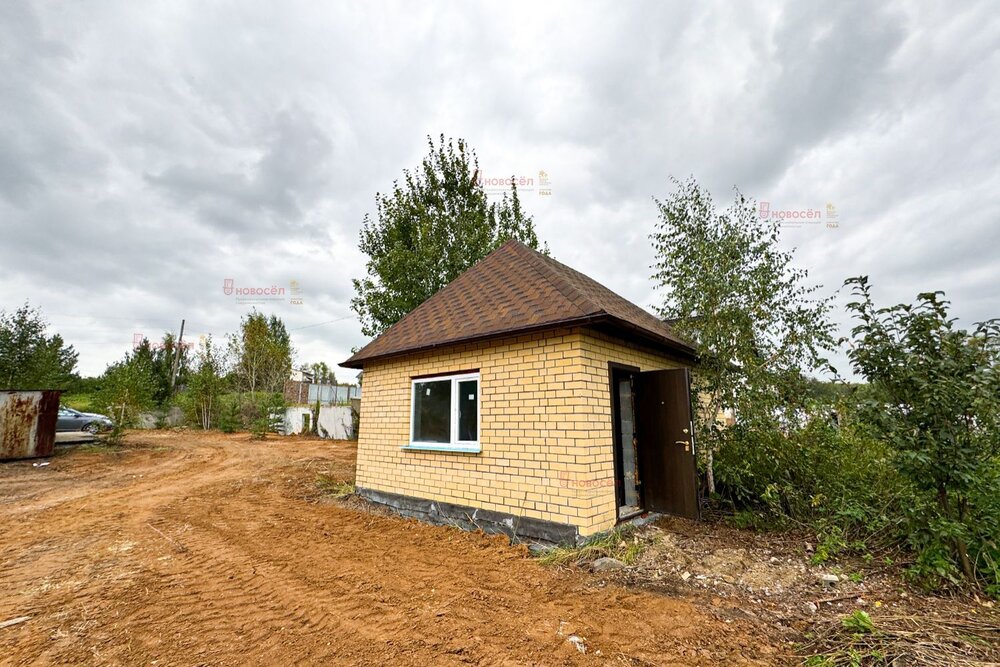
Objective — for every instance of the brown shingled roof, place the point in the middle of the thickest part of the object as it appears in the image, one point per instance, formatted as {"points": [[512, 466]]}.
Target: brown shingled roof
{"points": [[512, 290]]}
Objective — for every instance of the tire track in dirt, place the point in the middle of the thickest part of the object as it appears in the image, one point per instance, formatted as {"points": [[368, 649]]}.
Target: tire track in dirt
{"points": [[246, 566]]}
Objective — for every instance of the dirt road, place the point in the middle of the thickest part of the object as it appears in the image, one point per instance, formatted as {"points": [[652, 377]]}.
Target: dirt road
{"points": [[191, 548]]}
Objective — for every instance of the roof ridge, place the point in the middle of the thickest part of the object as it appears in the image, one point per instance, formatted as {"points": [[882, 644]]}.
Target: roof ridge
{"points": [[537, 262]]}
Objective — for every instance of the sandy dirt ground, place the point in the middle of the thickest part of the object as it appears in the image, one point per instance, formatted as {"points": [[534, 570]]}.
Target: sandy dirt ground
{"points": [[188, 548]]}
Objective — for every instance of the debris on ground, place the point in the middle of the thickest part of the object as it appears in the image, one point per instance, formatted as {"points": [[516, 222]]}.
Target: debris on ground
{"points": [[606, 563], [829, 579], [771, 577], [580, 645]]}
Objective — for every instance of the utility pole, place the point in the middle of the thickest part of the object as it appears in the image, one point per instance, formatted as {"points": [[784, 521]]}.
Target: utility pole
{"points": [[177, 358]]}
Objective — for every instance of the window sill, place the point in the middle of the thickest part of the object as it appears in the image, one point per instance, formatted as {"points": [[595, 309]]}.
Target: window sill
{"points": [[447, 449]]}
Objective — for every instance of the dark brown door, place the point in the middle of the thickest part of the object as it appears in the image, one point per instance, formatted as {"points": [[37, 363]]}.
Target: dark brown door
{"points": [[666, 444]]}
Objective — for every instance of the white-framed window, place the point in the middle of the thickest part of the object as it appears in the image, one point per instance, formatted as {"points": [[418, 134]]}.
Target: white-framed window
{"points": [[444, 413]]}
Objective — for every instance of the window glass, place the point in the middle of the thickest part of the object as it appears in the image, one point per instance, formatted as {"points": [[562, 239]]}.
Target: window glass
{"points": [[468, 410], [432, 411]]}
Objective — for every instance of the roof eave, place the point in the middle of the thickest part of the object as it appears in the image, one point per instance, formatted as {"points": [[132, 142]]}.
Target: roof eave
{"points": [[355, 362], [678, 349], [682, 350]]}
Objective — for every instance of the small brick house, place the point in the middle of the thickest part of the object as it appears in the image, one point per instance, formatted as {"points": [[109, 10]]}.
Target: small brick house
{"points": [[526, 398]]}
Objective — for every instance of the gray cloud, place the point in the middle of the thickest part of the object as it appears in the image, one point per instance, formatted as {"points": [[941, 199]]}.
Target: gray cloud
{"points": [[148, 153]]}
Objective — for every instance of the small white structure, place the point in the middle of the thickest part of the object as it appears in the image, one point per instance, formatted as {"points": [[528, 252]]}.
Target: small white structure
{"points": [[334, 421]]}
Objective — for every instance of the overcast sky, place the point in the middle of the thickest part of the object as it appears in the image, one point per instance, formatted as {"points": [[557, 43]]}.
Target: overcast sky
{"points": [[150, 151]]}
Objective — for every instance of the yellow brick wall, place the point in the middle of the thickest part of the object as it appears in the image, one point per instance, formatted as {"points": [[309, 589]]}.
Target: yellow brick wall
{"points": [[545, 427]]}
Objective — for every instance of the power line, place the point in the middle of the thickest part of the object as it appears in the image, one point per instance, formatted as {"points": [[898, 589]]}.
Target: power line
{"points": [[319, 324]]}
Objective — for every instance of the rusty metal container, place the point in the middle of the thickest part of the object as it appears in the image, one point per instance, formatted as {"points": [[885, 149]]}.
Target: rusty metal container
{"points": [[28, 423]]}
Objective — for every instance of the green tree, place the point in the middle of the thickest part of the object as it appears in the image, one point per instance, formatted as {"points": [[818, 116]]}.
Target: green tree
{"points": [[206, 384], [261, 353], [29, 359], [433, 226], [163, 363], [936, 398], [322, 373], [730, 289], [128, 387]]}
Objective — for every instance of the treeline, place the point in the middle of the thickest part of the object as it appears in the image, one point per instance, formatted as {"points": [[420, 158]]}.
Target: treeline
{"points": [[235, 385]]}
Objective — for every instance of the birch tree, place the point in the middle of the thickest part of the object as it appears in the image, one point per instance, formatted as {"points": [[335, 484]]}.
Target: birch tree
{"points": [[757, 323], [207, 383]]}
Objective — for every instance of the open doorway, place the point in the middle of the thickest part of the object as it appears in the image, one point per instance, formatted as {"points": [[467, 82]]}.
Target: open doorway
{"points": [[653, 441], [628, 485]]}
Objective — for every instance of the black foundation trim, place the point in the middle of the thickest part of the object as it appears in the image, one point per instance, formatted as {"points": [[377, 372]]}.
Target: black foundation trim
{"points": [[517, 528]]}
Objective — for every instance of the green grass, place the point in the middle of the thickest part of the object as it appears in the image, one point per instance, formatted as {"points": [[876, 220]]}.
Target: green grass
{"points": [[81, 402], [334, 487], [622, 543]]}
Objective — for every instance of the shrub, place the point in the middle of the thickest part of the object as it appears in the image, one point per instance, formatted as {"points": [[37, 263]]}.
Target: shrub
{"points": [[334, 487], [229, 417], [115, 437], [859, 622], [829, 474], [259, 428], [936, 402]]}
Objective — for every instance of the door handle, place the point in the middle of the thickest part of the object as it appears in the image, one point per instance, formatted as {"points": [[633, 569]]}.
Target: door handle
{"points": [[686, 443]]}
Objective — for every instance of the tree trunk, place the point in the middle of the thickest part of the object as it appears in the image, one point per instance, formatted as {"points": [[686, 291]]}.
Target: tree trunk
{"points": [[709, 469], [963, 552], [961, 549]]}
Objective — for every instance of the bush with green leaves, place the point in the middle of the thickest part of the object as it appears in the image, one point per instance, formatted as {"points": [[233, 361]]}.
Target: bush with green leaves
{"points": [[935, 398], [830, 474], [128, 387], [909, 460]]}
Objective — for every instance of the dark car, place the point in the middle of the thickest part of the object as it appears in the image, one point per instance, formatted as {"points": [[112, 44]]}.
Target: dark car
{"points": [[74, 420]]}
